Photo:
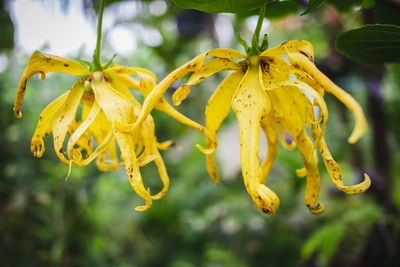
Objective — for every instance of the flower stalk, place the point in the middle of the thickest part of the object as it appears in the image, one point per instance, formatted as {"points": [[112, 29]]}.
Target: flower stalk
{"points": [[255, 43], [96, 55]]}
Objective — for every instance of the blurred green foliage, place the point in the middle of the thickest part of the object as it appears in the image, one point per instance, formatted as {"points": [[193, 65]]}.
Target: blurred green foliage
{"points": [[90, 219]]}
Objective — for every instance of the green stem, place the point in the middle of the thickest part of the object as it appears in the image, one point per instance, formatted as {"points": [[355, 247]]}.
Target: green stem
{"points": [[96, 55], [255, 46]]}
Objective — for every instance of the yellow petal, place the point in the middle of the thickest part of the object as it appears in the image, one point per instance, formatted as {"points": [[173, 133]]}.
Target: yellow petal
{"points": [[79, 132], [147, 84], [115, 105], [295, 46], [130, 82], [44, 126], [163, 174], [64, 116], [301, 62], [209, 68], [305, 147], [334, 169], [217, 109], [117, 108], [270, 128], [225, 53], [157, 93], [319, 100], [43, 63], [250, 103], [165, 145]]}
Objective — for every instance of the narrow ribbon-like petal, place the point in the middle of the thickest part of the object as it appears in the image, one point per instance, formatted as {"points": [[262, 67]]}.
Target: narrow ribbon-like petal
{"points": [[64, 116], [294, 46], [157, 93], [303, 63], [305, 146], [334, 169], [118, 108], [209, 68], [225, 53], [43, 63], [44, 125], [217, 109]]}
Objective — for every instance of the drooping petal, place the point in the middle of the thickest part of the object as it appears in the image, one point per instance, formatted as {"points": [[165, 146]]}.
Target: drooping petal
{"points": [[334, 169], [217, 109], [77, 157], [44, 126], [319, 100], [250, 103], [157, 93], [118, 108], [270, 127], [43, 63], [206, 70], [294, 46], [303, 63], [150, 148], [63, 117], [305, 147]]}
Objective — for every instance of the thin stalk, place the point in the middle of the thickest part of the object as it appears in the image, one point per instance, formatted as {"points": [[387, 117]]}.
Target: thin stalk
{"points": [[255, 44], [96, 55]]}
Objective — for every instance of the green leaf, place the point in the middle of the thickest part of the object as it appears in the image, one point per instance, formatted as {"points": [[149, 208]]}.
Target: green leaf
{"points": [[371, 44], [279, 9], [219, 6], [312, 4]]}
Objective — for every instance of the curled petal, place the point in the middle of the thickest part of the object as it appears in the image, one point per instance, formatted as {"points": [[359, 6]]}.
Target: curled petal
{"points": [[334, 169], [77, 157], [156, 94], [301, 173], [302, 63], [40, 63], [209, 68], [163, 174], [250, 103], [165, 145], [217, 109], [43, 127], [63, 118], [305, 146]]}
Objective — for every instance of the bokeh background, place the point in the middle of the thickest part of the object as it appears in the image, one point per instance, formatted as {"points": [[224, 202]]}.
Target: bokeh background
{"points": [[90, 220]]}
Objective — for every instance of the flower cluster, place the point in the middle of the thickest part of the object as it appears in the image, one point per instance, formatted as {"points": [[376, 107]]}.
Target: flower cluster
{"points": [[106, 106], [268, 92]]}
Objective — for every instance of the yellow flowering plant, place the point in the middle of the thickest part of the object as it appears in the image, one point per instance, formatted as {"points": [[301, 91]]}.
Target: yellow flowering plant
{"points": [[264, 95], [102, 92]]}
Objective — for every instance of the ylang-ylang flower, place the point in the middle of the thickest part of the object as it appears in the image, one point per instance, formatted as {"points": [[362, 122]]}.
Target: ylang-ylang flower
{"points": [[268, 92], [107, 104]]}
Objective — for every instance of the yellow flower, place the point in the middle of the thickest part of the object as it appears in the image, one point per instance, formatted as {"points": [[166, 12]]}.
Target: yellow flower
{"points": [[106, 103], [264, 94]]}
